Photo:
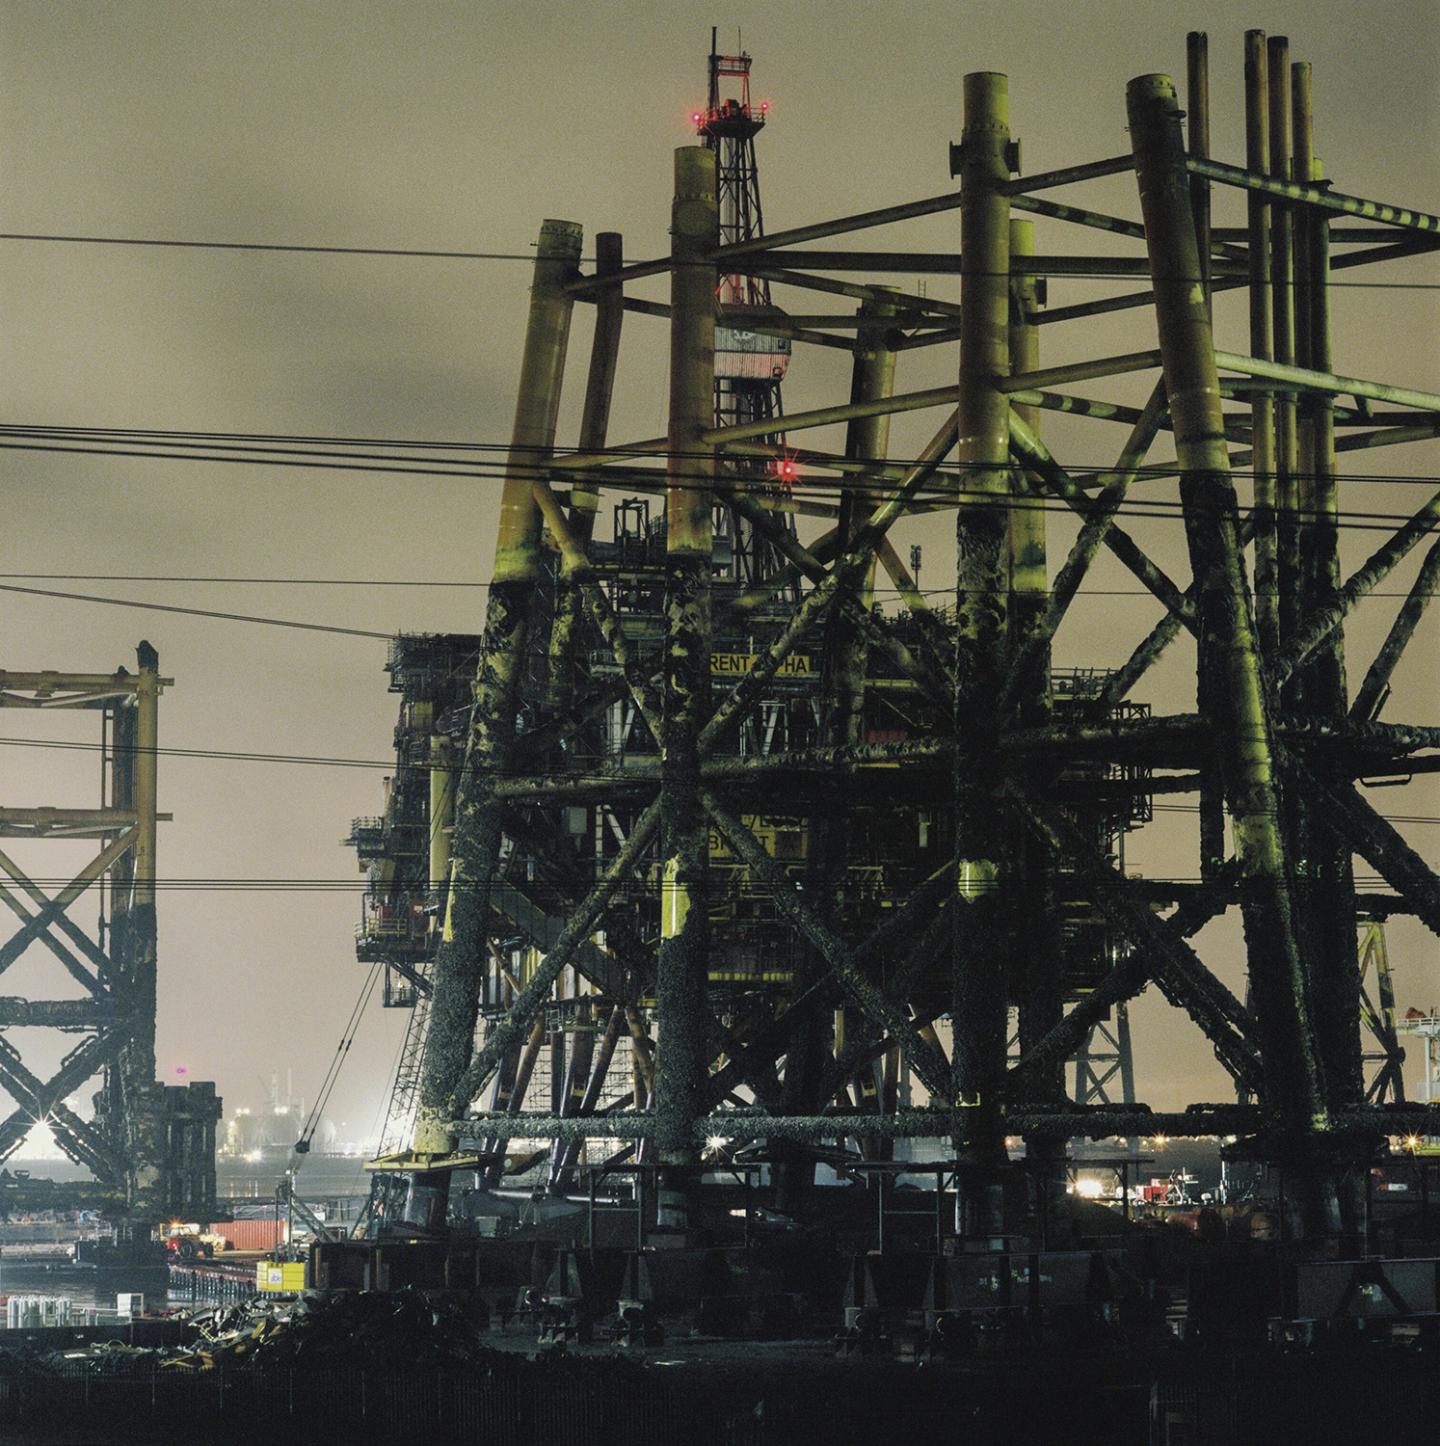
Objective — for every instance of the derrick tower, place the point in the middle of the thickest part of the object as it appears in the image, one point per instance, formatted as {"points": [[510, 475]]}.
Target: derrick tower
{"points": [[749, 365]]}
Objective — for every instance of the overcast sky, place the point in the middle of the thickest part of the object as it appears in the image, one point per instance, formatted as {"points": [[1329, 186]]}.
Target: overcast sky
{"points": [[461, 126]]}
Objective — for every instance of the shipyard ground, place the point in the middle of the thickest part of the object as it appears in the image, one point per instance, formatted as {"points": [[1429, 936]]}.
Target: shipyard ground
{"points": [[723, 1392], [1154, 1333]]}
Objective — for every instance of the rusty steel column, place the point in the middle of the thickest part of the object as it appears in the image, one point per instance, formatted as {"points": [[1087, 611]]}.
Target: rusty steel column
{"points": [[1197, 121], [442, 810], [684, 831], [979, 999], [1031, 903], [144, 1097], [1324, 869], [817, 1041], [1262, 344], [1324, 685], [475, 844], [1197, 118], [1293, 1093], [1029, 577], [584, 494], [1282, 294]]}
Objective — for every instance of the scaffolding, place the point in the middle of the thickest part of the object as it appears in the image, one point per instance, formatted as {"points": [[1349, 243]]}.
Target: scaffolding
{"points": [[148, 1147]]}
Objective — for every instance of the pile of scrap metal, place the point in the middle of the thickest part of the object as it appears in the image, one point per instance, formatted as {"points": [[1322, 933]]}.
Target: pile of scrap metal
{"points": [[403, 1330], [406, 1329], [229, 1335], [99, 1358]]}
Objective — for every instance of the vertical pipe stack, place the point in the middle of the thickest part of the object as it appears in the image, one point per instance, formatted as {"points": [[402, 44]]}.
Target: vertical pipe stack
{"points": [[1197, 112], [983, 453], [144, 1097], [1278, 987], [1262, 344], [1282, 294], [1328, 872], [584, 495], [1029, 578], [872, 377], [475, 845], [684, 835], [442, 810], [1031, 902]]}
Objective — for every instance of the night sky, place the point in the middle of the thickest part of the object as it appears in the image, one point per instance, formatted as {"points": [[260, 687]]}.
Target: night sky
{"points": [[461, 126]]}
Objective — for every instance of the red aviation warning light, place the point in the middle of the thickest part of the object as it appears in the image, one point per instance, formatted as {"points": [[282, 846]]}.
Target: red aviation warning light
{"points": [[785, 470]]}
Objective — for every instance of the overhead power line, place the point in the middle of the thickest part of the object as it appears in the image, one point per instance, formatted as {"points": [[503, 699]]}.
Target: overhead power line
{"points": [[822, 488], [155, 607], [767, 258], [554, 461]]}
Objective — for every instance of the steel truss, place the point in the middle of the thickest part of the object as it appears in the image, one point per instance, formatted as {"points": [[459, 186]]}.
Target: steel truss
{"points": [[150, 1145], [945, 808]]}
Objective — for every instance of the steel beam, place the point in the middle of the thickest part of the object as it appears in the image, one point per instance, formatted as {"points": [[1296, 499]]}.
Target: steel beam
{"points": [[1318, 197], [1375, 687]]}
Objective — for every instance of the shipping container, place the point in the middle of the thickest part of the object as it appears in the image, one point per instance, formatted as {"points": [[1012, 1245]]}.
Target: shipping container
{"points": [[263, 1234]]}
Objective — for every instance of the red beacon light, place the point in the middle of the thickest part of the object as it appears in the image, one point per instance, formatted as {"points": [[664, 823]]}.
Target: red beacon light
{"points": [[785, 470]]}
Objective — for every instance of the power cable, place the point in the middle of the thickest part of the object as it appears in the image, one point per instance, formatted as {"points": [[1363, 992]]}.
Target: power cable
{"points": [[767, 259], [196, 612], [1161, 508], [552, 462]]}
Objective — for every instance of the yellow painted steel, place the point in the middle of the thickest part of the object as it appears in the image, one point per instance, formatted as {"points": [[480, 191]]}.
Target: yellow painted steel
{"points": [[1262, 406], [533, 436], [674, 901], [1028, 574], [1193, 387], [147, 733], [442, 809], [691, 462], [867, 440]]}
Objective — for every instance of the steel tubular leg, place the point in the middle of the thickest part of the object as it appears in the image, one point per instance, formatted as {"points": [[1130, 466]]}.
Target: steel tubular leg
{"points": [[983, 453], [475, 844], [684, 837], [1292, 1081]]}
